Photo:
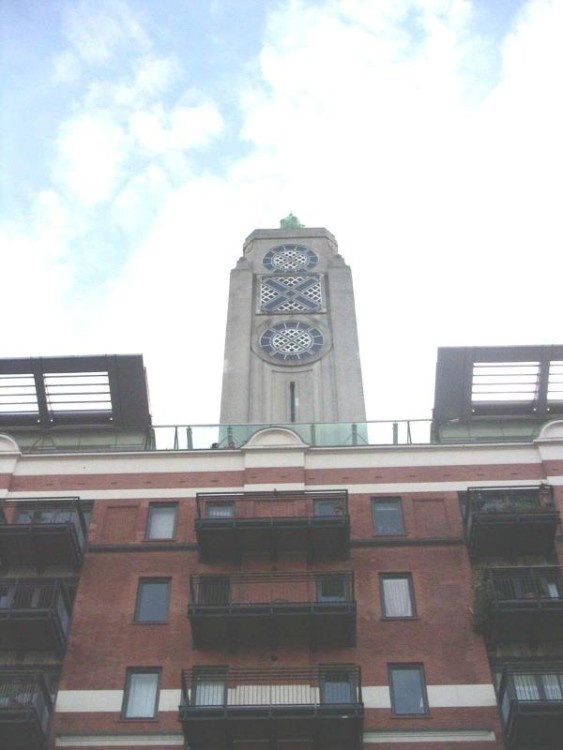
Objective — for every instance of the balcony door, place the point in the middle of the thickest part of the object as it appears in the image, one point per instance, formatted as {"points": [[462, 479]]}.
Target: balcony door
{"points": [[337, 686], [214, 591]]}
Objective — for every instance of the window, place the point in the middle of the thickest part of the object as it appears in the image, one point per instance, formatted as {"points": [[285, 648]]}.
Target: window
{"points": [[141, 694], [539, 687], [44, 515], [214, 591], [328, 508], [332, 588], [220, 510], [210, 689], [337, 686], [388, 517], [162, 522], [397, 598], [153, 596], [408, 690]]}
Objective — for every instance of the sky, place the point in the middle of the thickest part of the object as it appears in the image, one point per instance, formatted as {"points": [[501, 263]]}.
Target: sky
{"points": [[141, 142]]}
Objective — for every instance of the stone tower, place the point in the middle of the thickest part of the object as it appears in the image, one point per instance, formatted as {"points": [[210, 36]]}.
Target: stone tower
{"points": [[291, 350]]}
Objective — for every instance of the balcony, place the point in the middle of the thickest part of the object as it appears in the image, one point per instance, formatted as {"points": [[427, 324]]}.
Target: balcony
{"points": [[272, 708], [34, 615], [42, 533], [25, 710], [510, 520], [531, 704], [524, 604], [317, 609], [233, 526]]}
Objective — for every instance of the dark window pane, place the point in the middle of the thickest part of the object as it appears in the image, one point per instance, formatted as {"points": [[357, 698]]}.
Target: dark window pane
{"points": [[331, 589], [407, 689], [152, 601], [214, 591], [388, 517]]}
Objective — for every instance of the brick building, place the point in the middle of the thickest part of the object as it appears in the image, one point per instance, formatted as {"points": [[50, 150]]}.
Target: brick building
{"points": [[309, 581]]}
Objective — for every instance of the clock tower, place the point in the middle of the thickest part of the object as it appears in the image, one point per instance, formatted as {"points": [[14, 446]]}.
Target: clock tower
{"points": [[291, 350]]}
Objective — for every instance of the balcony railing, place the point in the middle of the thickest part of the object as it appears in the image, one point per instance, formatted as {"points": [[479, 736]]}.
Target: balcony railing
{"points": [[234, 525], [25, 710], [531, 704], [510, 520], [323, 434], [231, 610], [34, 615], [222, 706], [43, 532], [525, 603]]}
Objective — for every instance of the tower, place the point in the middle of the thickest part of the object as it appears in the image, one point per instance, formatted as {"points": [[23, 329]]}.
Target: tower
{"points": [[291, 349]]}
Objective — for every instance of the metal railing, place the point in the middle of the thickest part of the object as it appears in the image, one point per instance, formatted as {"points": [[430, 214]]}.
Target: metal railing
{"points": [[52, 512], [33, 597], [326, 686], [542, 583], [22, 691], [241, 591], [231, 436], [509, 500], [522, 687], [221, 507]]}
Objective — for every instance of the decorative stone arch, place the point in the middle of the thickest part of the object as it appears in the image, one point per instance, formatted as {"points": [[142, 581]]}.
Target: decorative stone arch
{"points": [[274, 437], [8, 444]]}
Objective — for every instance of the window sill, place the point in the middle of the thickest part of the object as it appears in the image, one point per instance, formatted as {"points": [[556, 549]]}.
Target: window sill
{"points": [[126, 720], [395, 619], [411, 716], [150, 622], [164, 539]]}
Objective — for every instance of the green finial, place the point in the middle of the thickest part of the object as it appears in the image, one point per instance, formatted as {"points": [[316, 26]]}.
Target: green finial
{"points": [[291, 222]]}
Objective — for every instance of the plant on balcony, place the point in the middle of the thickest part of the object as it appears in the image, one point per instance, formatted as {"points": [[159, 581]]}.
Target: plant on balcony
{"points": [[482, 600]]}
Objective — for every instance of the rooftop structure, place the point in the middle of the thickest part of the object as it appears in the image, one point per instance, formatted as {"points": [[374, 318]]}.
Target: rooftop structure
{"points": [[295, 578]]}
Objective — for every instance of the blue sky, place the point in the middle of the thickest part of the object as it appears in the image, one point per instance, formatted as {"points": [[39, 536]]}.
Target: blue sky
{"points": [[143, 141]]}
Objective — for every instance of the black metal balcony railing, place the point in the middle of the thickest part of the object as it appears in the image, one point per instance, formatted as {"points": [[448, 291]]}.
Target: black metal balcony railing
{"points": [[25, 710], [222, 706], [34, 615], [244, 524], [229, 609], [525, 603], [531, 705], [43, 532], [510, 520]]}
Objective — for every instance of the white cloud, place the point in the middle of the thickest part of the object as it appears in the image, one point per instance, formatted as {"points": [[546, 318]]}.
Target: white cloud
{"points": [[92, 149], [360, 116], [101, 31]]}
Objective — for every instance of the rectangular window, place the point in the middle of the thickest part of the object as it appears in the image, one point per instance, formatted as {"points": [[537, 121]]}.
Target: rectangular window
{"points": [[327, 508], [162, 522], [337, 686], [210, 689], [388, 517], [220, 510], [408, 690], [332, 588], [141, 694], [153, 596], [214, 591], [397, 598]]}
